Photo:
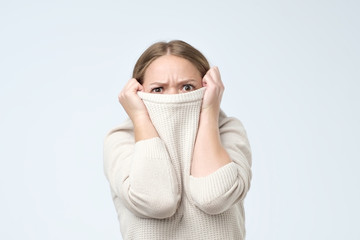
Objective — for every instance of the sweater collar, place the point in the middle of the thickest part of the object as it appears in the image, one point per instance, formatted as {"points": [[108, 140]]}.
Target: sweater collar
{"points": [[192, 96]]}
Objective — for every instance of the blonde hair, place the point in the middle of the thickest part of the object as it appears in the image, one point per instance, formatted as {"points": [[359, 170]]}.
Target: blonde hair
{"points": [[177, 48]]}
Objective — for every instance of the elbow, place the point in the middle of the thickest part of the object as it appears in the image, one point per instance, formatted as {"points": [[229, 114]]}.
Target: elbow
{"points": [[212, 208], [218, 204], [157, 206], [164, 207], [218, 192], [226, 201]]}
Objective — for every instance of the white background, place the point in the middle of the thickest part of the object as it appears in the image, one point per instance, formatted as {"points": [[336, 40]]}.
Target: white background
{"points": [[291, 71]]}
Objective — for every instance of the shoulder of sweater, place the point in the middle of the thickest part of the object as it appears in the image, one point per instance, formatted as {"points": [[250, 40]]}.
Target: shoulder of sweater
{"points": [[126, 128], [232, 129], [224, 119], [230, 122]]}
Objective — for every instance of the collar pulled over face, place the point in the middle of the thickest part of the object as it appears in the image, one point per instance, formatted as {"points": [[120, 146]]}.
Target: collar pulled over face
{"points": [[176, 119], [174, 113]]}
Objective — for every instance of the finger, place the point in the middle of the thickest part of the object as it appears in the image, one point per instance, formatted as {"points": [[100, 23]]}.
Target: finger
{"points": [[130, 88], [140, 88], [127, 86], [215, 74], [209, 77], [205, 80], [134, 85]]}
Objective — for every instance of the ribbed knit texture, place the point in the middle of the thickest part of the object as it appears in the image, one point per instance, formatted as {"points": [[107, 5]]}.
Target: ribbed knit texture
{"points": [[154, 194]]}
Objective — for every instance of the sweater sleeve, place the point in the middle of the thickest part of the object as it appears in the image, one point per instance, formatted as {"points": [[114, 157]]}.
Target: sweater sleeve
{"points": [[141, 174], [229, 184]]}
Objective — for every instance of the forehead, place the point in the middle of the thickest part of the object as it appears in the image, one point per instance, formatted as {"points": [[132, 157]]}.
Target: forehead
{"points": [[171, 65]]}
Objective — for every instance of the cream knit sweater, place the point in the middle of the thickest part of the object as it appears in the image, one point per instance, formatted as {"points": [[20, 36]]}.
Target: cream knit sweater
{"points": [[154, 194]]}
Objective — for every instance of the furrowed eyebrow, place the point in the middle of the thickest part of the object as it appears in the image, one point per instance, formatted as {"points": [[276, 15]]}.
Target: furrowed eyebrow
{"points": [[180, 82], [158, 83], [188, 81]]}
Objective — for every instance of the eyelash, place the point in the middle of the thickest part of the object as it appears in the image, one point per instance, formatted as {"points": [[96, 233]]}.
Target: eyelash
{"points": [[189, 85], [185, 85], [152, 90]]}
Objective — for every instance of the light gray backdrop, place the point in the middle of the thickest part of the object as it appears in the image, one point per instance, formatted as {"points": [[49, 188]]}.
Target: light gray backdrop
{"points": [[291, 72]]}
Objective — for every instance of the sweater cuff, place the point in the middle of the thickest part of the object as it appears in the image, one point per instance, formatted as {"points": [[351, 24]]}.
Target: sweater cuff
{"points": [[207, 189]]}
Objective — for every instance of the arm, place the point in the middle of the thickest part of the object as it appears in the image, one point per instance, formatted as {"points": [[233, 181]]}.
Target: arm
{"points": [[139, 170], [221, 167], [141, 174], [209, 155]]}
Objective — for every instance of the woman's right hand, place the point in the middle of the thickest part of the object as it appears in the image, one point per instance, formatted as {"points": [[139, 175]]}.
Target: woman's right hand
{"points": [[135, 108], [131, 102]]}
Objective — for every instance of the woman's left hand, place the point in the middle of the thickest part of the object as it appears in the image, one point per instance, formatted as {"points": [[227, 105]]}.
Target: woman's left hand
{"points": [[209, 154], [213, 93]]}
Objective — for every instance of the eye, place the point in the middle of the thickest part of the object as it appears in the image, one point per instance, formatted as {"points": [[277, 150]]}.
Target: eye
{"points": [[157, 90], [188, 87]]}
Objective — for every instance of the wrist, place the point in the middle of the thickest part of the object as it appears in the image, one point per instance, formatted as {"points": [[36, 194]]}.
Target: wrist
{"points": [[144, 128], [140, 119], [209, 115]]}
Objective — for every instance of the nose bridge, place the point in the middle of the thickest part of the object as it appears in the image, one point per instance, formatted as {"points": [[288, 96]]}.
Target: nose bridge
{"points": [[172, 87], [172, 90]]}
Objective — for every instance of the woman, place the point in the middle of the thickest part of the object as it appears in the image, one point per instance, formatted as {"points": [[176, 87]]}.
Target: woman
{"points": [[178, 168]]}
